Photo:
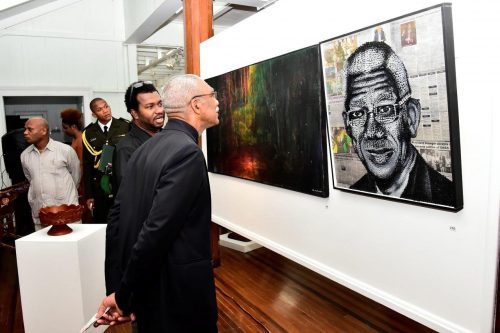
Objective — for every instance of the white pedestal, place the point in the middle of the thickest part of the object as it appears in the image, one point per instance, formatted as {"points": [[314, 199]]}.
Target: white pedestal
{"points": [[237, 245], [61, 278]]}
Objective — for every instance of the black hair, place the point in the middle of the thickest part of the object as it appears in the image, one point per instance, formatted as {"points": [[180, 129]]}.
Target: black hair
{"points": [[135, 89], [72, 117], [95, 100]]}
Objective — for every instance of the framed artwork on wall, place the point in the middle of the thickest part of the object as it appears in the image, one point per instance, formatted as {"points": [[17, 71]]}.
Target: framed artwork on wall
{"points": [[272, 126], [390, 92]]}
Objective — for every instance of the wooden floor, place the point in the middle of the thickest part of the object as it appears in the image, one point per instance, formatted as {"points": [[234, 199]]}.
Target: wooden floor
{"points": [[263, 292], [11, 318]]}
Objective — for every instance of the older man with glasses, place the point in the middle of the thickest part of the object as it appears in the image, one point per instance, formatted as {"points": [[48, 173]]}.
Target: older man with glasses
{"points": [[158, 234], [381, 117]]}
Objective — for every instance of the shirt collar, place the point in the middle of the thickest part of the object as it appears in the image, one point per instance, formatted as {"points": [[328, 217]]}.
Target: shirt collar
{"points": [[49, 146], [139, 132], [102, 125], [180, 125]]}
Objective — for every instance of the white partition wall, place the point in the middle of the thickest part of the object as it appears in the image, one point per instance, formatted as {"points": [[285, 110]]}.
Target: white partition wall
{"points": [[434, 266]]}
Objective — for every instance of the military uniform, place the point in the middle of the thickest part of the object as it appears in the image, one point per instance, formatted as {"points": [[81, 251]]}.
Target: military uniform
{"points": [[93, 143]]}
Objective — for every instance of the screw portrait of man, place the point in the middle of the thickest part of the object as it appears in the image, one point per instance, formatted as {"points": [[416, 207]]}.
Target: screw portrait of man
{"points": [[393, 111], [381, 117]]}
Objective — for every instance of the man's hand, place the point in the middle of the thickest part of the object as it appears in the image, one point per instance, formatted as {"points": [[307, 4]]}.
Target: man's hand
{"points": [[114, 316], [90, 204]]}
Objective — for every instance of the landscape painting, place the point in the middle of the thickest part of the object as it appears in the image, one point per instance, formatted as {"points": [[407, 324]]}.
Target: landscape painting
{"points": [[272, 126]]}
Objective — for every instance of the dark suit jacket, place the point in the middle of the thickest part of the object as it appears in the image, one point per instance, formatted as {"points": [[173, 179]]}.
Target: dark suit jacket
{"points": [[424, 185], [124, 150], [91, 176], [158, 256]]}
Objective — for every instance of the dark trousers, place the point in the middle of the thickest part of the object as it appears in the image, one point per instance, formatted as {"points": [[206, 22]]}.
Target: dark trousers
{"points": [[102, 204], [24, 221]]}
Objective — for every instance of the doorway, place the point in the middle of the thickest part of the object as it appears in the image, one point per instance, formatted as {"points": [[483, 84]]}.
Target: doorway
{"points": [[20, 108]]}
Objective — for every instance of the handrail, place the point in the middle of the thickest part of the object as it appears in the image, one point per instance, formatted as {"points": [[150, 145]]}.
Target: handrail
{"points": [[7, 197]]}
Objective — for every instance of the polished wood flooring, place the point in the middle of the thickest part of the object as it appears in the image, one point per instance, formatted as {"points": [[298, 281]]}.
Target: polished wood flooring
{"points": [[262, 291], [11, 318]]}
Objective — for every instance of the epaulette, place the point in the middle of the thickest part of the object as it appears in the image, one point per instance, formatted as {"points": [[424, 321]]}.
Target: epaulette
{"points": [[86, 127], [125, 120]]}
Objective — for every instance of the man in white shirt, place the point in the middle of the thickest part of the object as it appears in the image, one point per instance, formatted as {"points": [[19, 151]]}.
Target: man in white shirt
{"points": [[51, 167]]}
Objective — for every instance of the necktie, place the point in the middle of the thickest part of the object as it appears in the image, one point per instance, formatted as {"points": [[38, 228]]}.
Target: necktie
{"points": [[105, 130]]}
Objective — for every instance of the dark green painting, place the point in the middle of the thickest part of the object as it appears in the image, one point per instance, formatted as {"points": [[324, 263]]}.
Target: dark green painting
{"points": [[272, 124]]}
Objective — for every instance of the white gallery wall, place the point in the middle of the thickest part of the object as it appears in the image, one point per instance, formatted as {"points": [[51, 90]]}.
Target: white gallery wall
{"points": [[72, 48], [434, 266]]}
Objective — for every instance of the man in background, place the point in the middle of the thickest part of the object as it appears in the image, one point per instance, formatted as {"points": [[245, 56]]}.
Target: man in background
{"points": [[381, 117], [51, 167], [72, 125], [13, 144], [106, 131], [163, 212], [148, 116]]}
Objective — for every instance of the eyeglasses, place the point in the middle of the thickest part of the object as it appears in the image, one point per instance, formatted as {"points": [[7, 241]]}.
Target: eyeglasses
{"points": [[212, 94], [383, 114], [135, 86]]}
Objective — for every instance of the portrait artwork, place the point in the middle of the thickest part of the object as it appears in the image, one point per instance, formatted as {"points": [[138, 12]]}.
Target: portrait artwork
{"points": [[392, 109], [272, 126]]}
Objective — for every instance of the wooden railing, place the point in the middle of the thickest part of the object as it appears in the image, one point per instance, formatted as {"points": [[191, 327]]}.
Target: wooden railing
{"points": [[10, 303], [7, 212]]}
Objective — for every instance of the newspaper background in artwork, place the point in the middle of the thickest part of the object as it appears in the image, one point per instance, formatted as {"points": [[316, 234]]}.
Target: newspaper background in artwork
{"points": [[418, 41]]}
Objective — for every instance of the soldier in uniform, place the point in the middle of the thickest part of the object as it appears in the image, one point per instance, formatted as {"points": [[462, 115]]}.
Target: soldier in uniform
{"points": [[106, 132]]}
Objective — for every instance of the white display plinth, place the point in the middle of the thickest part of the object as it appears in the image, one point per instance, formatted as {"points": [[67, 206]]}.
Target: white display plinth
{"points": [[61, 278]]}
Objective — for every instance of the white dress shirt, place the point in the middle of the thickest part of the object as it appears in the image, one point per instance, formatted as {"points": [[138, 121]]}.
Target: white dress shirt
{"points": [[54, 176], [108, 124]]}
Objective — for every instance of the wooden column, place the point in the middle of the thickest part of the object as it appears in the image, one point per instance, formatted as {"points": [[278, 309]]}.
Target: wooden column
{"points": [[198, 17], [197, 28]]}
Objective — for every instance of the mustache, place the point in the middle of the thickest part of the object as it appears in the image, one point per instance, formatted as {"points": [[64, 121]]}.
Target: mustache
{"points": [[377, 144]]}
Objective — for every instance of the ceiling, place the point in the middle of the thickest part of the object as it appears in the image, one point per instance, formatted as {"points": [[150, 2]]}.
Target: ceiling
{"points": [[5, 4], [160, 42], [157, 62]]}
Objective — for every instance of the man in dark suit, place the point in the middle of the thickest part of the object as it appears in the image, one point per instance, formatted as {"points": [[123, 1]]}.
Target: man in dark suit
{"points": [[148, 116], [158, 235], [381, 117], [106, 130]]}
